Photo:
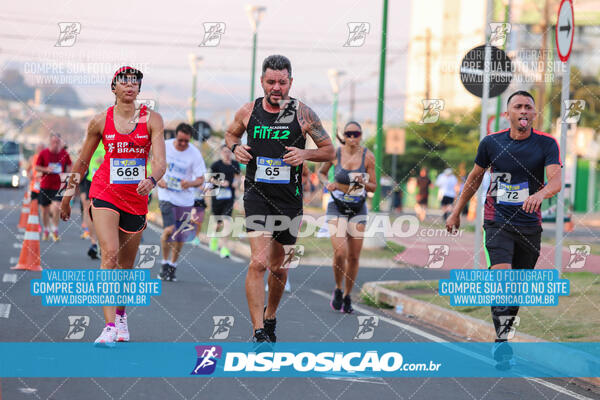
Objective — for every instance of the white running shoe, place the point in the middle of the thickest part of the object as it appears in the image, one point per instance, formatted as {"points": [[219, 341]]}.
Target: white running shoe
{"points": [[107, 337], [122, 329]]}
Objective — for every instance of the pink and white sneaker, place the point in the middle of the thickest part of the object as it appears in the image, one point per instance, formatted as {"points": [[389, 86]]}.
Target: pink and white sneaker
{"points": [[107, 337], [122, 329]]}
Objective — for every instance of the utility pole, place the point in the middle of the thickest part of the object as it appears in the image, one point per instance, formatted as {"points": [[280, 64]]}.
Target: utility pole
{"points": [[352, 98], [539, 122], [194, 64], [505, 46], [428, 63]]}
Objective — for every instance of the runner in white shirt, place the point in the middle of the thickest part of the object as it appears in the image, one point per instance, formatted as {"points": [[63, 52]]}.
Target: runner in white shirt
{"points": [[176, 194], [448, 185]]}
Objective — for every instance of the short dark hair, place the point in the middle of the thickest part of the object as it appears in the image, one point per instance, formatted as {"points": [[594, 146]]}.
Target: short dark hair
{"points": [[520, 93], [184, 128], [277, 62]]}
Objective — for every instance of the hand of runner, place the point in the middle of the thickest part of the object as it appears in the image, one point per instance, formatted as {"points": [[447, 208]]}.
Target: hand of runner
{"points": [[294, 156], [533, 202], [65, 208], [453, 223], [331, 186], [242, 155], [161, 184], [144, 187], [186, 184]]}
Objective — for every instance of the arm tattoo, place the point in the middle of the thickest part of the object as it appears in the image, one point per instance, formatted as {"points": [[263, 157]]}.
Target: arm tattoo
{"points": [[311, 124]]}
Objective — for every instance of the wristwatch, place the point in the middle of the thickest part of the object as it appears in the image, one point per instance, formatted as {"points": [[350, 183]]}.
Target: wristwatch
{"points": [[153, 180], [233, 147]]}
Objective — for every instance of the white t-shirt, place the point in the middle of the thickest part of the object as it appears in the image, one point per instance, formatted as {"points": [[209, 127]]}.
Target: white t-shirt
{"points": [[447, 183], [184, 165]]}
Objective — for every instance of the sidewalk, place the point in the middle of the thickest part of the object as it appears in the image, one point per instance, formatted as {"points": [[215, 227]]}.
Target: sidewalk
{"points": [[461, 251]]}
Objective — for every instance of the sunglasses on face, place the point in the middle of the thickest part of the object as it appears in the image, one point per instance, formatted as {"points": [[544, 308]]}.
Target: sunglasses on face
{"points": [[123, 79], [352, 134]]}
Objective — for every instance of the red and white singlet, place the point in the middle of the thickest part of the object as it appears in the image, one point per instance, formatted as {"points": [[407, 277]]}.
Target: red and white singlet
{"points": [[124, 165]]}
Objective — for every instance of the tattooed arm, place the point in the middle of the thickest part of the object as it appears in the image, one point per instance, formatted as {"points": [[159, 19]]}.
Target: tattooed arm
{"points": [[311, 125]]}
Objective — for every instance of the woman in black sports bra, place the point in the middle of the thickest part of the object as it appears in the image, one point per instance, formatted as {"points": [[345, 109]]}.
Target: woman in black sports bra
{"points": [[347, 209]]}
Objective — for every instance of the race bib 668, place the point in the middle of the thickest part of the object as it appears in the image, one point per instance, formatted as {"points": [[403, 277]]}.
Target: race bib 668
{"points": [[127, 170]]}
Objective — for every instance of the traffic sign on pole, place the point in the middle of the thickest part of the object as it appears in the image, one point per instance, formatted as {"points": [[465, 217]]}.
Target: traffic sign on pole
{"points": [[395, 141], [565, 29], [472, 71]]}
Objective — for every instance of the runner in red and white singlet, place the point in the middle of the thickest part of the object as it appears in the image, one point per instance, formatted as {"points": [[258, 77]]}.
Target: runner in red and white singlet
{"points": [[124, 165], [120, 187]]}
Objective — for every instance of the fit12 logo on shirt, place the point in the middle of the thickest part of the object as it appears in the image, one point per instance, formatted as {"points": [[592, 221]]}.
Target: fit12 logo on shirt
{"points": [[265, 132]]}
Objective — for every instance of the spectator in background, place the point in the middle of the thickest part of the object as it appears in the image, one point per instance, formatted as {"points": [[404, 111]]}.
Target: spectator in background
{"points": [[423, 186], [447, 182], [51, 162]]}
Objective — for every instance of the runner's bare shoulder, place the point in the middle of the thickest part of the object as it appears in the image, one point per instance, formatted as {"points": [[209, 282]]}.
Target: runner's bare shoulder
{"points": [[96, 125]]}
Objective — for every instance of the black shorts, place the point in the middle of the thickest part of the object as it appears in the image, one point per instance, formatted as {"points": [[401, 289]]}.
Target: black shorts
{"points": [[84, 187], [128, 223], [262, 215], [34, 195], [516, 245], [447, 200], [199, 203], [47, 196], [222, 207]]}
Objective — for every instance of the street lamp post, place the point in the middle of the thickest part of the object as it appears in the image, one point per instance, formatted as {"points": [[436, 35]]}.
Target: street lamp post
{"points": [[381, 100], [255, 14], [194, 64], [334, 79]]}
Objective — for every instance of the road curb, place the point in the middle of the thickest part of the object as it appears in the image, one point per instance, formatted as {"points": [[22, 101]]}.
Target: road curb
{"points": [[459, 324]]}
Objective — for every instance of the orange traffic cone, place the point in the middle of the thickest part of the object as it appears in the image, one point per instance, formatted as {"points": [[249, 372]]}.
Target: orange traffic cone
{"points": [[24, 211], [30, 253]]}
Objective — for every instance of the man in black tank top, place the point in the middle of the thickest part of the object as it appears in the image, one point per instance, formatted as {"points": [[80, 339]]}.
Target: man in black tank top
{"points": [[276, 127]]}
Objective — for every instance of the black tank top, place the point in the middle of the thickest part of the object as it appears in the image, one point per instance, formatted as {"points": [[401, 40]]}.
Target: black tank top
{"points": [[267, 176], [342, 175]]}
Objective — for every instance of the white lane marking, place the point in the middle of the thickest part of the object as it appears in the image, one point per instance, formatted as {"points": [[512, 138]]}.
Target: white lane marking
{"points": [[20, 236], [437, 339], [14, 260], [4, 310], [17, 245], [158, 230], [27, 390], [10, 278], [378, 381], [559, 389]]}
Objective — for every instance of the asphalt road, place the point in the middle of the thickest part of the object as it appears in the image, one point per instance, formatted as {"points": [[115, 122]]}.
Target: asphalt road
{"points": [[209, 286]]}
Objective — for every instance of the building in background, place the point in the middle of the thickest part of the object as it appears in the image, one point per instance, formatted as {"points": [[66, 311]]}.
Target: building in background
{"points": [[441, 33]]}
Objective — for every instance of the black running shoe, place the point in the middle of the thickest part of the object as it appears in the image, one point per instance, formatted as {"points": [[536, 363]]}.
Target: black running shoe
{"points": [[503, 355], [164, 273], [337, 300], [347, 307], [172, 277], [260, 336], [93, 252], [270, 325]]}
